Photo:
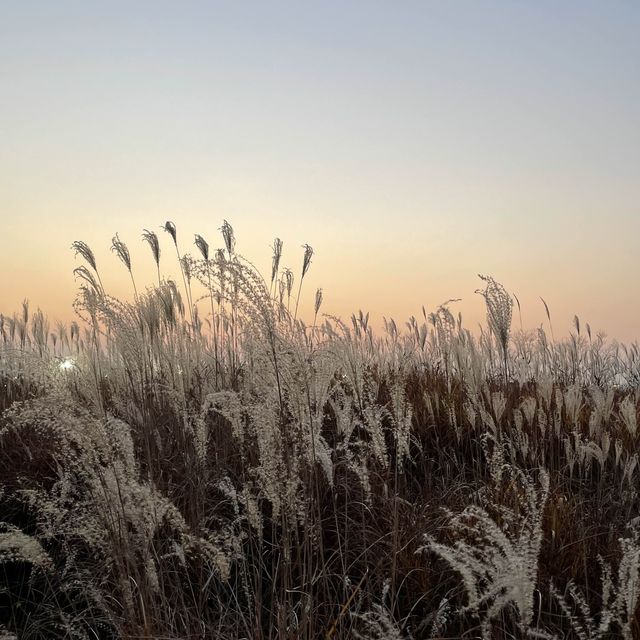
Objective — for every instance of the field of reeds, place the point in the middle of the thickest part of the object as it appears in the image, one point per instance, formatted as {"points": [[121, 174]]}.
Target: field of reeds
{"points": [[199, 462]]}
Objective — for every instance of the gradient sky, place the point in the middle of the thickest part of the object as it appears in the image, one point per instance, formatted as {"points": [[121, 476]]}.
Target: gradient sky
{"points": [[412, 144]]}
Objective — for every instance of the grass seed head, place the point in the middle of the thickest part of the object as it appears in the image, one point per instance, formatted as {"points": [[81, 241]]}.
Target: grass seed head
{"points": [[121, 250], [203, 246], [229, 237], [288, 278], [499, 308], [277, 254], [84, 274], [306, 261], [152, 239], [318, 301], [84, 250], [170, 228]]}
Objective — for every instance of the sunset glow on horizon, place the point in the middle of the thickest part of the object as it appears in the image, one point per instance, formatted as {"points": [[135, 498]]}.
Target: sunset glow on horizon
{"points": [[412, 145]]}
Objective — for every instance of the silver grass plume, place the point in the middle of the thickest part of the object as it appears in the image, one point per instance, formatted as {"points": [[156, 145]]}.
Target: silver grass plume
{"points": [[170, 228], [16, 546], [498, 563], [519, 309], [619, 597], [175, 297], [120, 249], [84, 250], [499, 312], [318, 302], [376, 624], [84, 274], [288, 277], [288, 284], [152, 239], [306, 261], [499, 308], [229, 237], [546, 308], [275, 262], [203, 246], [185, 261]]}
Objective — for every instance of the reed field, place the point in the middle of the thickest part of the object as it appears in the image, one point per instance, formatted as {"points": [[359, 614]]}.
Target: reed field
{"points": [[199, 461]]}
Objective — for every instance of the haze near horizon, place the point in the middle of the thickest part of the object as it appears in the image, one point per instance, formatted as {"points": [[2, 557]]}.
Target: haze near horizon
{"points": [[412, 145]]}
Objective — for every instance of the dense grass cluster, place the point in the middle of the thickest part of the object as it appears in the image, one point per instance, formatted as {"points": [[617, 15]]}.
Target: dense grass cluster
{"points": [[200, 463]]}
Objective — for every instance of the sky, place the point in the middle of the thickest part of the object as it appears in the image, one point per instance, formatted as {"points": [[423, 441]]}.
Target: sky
{"points": [[412, 144]]}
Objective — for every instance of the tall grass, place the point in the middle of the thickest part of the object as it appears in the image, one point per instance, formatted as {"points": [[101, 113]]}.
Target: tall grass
{"points": [[200, 463]]}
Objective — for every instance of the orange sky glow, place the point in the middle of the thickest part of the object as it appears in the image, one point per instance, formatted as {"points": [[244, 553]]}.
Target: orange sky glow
{"points": [[413, 145]]}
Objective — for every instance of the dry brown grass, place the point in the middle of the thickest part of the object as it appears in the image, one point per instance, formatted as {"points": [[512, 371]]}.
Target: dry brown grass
{"points": [[220, 470]]}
